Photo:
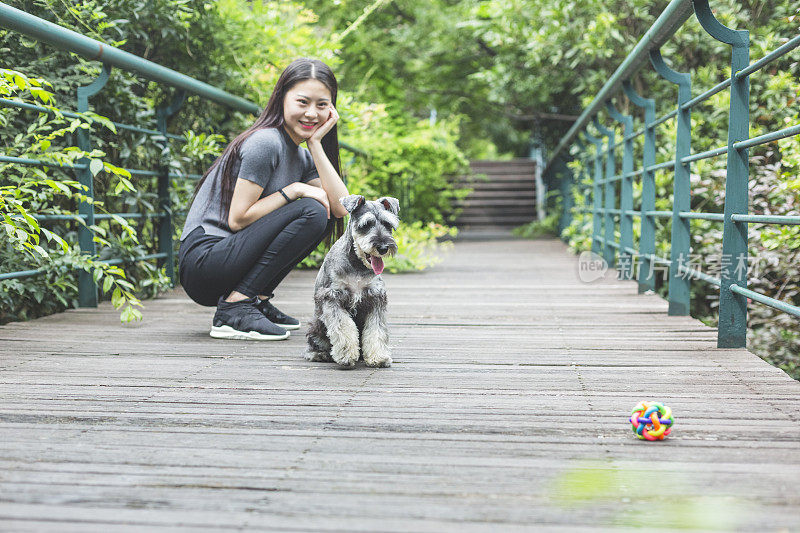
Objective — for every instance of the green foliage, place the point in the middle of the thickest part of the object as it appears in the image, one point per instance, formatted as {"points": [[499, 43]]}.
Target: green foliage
{"points": [[498, 63], [419, 246], [547, 227], [415, 56], [259, 39], [409, 160], [536, 229], [31, 191]]}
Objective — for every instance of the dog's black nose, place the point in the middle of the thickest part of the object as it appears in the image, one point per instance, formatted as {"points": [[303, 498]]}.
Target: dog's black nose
{"points": [[383, 248]]}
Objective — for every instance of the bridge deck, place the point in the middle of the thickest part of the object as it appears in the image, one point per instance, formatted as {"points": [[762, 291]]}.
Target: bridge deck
{"points": [[506, 407]]}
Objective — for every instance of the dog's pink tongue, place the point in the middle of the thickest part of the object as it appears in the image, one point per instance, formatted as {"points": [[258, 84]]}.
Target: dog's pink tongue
{"points": [[377, 264]]}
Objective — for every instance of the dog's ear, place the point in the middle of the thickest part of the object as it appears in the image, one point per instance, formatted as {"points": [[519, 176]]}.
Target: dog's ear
{"points": [[390, 204], [352, 202]]}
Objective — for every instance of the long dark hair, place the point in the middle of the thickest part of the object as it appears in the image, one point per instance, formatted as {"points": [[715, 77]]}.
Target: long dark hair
{"points": [[272, 117]]}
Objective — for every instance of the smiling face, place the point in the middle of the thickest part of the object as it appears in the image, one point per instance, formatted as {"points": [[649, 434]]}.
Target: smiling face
{"points": [[306, 106]]}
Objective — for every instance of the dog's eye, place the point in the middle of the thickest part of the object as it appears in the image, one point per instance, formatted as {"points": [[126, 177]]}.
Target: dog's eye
{"points": [[366, 224], [387, 225]]}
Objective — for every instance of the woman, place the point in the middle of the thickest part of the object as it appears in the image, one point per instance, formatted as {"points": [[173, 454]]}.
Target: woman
{"points": [[264, 205]]}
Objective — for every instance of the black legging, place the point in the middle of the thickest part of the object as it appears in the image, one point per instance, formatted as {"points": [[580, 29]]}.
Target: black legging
{"points": [[254, 260]]}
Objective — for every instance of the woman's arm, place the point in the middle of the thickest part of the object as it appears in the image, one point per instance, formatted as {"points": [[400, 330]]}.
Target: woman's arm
{"points": [[330, 180], [247, 206]]}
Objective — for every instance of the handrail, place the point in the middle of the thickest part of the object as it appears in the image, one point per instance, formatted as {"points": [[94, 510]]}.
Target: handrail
{"points": [[673, 17], [732, 282], [70, 41]]}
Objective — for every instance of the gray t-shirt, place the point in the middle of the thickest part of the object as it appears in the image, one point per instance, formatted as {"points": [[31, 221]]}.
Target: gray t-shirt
{"points": [[270, 158]]}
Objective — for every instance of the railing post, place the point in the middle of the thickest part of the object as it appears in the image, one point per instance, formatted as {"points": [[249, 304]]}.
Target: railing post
{"points": [[535, 154], [626, 194], [609, 189], [732, 331], [596, 198], [567, 186], [87, 288], [647, 234], [567, 200], [165, 229], [679, 282], [564, 176]]}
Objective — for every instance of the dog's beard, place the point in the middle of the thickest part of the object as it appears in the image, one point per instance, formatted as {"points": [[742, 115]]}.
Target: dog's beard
{"points": [[365, 251]]}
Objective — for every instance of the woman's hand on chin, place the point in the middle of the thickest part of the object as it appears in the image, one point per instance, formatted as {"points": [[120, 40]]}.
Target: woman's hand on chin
{"points": [[326, 126]]}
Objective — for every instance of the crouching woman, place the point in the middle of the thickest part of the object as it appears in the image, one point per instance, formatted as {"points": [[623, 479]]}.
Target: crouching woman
{"points": [[264, 205]]}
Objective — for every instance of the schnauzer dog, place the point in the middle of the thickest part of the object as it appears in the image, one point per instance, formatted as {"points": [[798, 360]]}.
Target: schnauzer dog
{"points": [[349, 294]]}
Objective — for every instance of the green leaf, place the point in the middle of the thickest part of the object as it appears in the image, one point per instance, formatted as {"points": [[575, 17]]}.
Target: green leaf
{"points": [[97, 229], [42, 95], [34, 225], [59, 186], [109, 281], [116, 299], [96, 166], [125, 283], [126, 315], [62, 242], [130, 314]]}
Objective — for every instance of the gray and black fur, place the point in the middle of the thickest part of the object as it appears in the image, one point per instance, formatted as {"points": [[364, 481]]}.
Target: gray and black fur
{"points": [[349, 297]]}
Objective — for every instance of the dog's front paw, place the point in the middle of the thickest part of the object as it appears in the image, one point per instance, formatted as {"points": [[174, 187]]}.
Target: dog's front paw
{"points": [[381, 360], [345, 358], [317, 356]]}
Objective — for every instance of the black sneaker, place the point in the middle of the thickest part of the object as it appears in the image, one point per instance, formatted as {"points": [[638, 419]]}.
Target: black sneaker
{"points": [[242, 320], [276, 316]]}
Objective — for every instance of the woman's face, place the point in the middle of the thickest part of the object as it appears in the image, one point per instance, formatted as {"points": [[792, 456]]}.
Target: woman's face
{"points": [[306, 106]]}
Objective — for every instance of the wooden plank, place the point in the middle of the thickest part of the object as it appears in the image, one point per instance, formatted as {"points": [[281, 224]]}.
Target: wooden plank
{"points": [[506, 408]]}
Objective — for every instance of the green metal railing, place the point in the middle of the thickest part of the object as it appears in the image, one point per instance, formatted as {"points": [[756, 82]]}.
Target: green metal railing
{"points": [[68, 40], [607, 218]]}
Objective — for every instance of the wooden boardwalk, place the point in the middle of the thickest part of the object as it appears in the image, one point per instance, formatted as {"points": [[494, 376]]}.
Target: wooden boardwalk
{"points": [[506, 410]]}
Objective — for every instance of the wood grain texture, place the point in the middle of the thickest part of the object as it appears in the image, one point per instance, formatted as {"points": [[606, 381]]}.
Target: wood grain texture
{"points": [[505, 410]]}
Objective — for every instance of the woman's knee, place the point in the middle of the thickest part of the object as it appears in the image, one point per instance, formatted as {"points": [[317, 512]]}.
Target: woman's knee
{"points": [[315, 213]]}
